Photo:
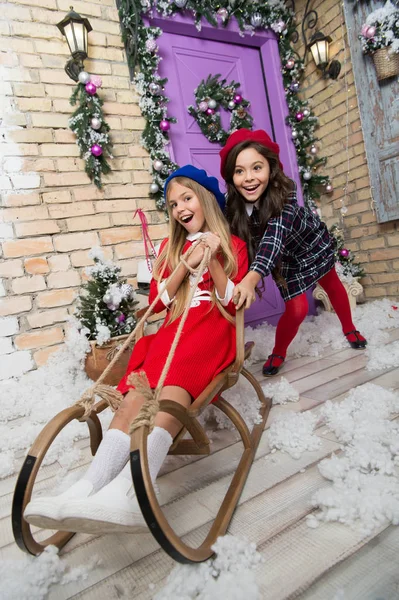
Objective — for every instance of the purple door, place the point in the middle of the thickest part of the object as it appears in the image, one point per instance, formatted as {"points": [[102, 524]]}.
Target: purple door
{"points": [[187, 58]]}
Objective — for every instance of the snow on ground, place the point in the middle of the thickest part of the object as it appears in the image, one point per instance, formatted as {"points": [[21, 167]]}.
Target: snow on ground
{"points": [[281, 392], [365, 477], [229, 575], [293, 433], [31, 577], [365, 481]]}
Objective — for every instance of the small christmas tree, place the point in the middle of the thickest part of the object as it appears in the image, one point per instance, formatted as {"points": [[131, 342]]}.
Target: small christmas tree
{"points": [[106, 302], [347, 268]]}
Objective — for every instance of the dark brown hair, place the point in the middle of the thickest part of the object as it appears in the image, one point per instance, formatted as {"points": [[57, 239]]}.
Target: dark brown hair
{"points": [[271, 203]]}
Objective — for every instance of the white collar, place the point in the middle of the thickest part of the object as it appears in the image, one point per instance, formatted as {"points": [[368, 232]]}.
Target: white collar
{"points": [[249, 207], [192, 237]]}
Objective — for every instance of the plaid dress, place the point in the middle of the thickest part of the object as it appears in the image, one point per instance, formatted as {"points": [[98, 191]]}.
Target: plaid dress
{"points": [[299, 242]]}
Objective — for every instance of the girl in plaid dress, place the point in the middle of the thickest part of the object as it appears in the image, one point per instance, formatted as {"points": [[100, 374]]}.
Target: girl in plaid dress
{"points": [[284, 239]]}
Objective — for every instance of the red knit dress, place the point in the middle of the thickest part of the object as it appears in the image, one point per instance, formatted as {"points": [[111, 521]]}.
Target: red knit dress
{"points": [[207, 343]]}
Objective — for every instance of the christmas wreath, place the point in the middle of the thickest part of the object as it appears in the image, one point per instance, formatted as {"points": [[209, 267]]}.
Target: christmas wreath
{"points": [[211, 95]]}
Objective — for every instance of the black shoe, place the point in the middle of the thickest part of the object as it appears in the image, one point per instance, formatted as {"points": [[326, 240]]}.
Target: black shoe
{"points": [[359, 343], [268, 369]]}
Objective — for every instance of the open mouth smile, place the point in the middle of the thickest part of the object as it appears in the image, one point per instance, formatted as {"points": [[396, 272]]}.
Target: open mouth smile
{"points": [[251, 188], [186, 219]]}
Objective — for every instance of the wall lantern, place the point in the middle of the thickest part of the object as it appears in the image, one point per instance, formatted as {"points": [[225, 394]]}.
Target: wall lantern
{"points": [[75, 28], [319, 47]]}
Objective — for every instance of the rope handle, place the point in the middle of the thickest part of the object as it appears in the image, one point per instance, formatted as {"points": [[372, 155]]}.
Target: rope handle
{"points": [[108, 393]]}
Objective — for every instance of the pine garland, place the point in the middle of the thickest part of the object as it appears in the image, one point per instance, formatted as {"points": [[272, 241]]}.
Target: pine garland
{"points": [[347, 267], [89, 108], [250, 16], [222, 94]]}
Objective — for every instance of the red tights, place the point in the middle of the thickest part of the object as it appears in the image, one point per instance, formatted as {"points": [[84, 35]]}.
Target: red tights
{"points": [[296, 310]]}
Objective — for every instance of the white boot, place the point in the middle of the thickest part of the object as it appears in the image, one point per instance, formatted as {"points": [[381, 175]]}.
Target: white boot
{"points": [[115, 507], [111, 456], [44, 511], [111, 510]]}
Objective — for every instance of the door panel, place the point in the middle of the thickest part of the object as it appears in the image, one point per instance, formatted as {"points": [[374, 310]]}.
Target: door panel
{"points": [[378, 103], [186, 61]]}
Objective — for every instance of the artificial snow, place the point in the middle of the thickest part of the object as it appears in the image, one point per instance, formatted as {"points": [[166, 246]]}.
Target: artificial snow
{"points": [[229, 575], [383, 357], [32, 577], [29, 403], [293, 433], [365, 480], [281, 392]]}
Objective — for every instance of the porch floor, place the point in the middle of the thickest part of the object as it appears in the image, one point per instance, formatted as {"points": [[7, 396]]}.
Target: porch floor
{"points": [[329, 562]]}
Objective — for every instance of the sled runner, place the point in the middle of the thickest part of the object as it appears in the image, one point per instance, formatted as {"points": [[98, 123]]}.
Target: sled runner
{"points": [[87, 410]]}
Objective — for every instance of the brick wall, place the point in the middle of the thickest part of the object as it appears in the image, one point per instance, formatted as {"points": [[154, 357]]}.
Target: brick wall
{"points": [[376, 245], [51, 214]]}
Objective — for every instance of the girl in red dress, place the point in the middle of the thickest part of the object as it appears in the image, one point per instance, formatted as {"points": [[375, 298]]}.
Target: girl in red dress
{"points": [[103, 500]]}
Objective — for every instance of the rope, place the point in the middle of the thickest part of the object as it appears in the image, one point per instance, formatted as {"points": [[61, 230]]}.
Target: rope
{"points": [[109, 394], [150, 408]]}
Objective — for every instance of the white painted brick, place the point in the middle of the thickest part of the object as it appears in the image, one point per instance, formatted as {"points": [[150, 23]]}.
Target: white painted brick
{"points": [[5, 183], [6, 232], [8, 326], [13, 165], [15, 364], [2, 290], [6, 346], [24, 181]]}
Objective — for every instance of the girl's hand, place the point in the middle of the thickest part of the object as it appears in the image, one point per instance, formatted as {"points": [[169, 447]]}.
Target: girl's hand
{"points": [[196, 256], [244, 292], [213, 241]]}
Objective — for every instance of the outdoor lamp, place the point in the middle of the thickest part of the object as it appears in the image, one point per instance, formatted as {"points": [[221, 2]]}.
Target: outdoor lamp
{"points": [[75, 28], [319, 47]]}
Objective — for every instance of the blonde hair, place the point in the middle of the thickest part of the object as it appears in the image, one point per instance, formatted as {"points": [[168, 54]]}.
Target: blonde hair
{"points": [[170, 255]]}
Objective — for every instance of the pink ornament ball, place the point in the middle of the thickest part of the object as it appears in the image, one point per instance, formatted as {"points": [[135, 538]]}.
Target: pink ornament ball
{"points": [[364, 29], [370, 33], [151, 45], [96, 79], [96, 150], [344, 253], [90, 88], [203, 106], [164, 125], [210, 112], [237, 99], [121, 318], [290, 64], [299, 116]]}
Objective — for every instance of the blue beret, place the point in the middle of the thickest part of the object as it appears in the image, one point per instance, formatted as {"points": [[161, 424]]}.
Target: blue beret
{"points": [[201, 177]]}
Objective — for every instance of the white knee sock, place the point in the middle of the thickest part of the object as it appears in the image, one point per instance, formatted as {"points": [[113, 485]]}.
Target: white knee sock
{"points": [[110, 458], [158, 443]]}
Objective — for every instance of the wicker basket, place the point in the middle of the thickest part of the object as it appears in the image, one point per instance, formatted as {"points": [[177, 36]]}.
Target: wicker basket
{"points": [[100, 357], [386, 63]]}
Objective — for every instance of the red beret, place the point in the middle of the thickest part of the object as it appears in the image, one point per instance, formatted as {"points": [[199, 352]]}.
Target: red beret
{"points": [[242, 135]]}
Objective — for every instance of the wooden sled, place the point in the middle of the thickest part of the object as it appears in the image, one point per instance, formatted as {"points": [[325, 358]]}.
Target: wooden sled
{"points": [[199, 444]]}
